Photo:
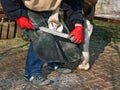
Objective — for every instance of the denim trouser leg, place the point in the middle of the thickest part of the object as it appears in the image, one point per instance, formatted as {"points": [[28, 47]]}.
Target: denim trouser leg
{"points": [[33, 63]]}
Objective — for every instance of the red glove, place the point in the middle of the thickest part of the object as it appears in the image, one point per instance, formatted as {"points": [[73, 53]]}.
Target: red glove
{"points": [[24, 23], [78, 34]]}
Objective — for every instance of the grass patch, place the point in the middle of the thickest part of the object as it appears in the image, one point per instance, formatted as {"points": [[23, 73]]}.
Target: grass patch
{"points": [[106, 31], [14, 43]]}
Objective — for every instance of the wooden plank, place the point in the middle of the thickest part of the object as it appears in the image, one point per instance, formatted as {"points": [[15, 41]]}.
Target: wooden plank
{"points": [[4, 30], [11, 29], [18, 32], [107, 19]]}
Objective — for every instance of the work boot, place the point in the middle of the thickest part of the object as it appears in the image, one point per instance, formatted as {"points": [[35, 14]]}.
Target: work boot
{"points": [[38, 80]]}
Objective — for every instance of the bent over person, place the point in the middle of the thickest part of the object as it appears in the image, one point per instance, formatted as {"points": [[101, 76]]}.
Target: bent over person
{"points": [[28, 15]]}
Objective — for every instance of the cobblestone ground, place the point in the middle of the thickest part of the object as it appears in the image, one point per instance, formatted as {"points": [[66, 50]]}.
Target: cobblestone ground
{"points": [[103, 75]]}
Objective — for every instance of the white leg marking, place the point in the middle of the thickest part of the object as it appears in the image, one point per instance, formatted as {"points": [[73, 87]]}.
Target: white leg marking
{"points": [[88, 31]]}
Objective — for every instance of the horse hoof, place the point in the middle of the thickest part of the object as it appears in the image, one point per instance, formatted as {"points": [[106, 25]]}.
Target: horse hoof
{"points": [[84, 66]]}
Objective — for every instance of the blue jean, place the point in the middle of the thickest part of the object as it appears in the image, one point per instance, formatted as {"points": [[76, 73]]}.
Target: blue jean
{"points": [[33, 63], [33, 66]]}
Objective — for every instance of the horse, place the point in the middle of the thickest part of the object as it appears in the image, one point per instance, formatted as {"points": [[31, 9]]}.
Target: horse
{"points": [[88, 13]]}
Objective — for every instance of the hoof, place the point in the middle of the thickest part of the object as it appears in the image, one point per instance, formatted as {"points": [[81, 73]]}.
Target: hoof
{"points": [[84, 66]]}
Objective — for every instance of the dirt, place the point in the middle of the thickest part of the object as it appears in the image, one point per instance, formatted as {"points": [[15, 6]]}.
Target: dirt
{"points": [[103, 75]]}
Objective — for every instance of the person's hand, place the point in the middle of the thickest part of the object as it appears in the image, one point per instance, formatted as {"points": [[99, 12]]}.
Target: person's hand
{"points": [[78, 34], [24, 23]]}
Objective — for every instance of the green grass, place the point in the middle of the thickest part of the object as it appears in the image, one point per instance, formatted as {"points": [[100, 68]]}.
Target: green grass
{"points": [[106, 31]]}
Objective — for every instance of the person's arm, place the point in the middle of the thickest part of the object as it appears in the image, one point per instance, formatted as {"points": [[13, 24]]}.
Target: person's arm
{"points": [[15, 10], [73, 10]]}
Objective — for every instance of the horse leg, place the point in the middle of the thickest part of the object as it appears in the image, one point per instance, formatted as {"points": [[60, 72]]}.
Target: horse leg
{"points": [[85, 53]]}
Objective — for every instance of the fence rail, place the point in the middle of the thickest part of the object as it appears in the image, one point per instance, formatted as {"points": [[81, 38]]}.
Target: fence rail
{"points": [[112, 20], [8, 28]]}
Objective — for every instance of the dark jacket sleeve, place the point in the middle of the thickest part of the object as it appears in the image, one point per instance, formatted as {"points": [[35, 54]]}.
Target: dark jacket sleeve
{"points": [[13, 9], [73, 10]]}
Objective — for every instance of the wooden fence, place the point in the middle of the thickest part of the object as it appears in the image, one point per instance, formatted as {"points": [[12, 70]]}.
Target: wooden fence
{"points": [[8, 29], [107, 19]]}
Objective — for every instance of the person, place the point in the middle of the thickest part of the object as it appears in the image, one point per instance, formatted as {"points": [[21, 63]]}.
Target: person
{"points": [[74, 19], [15, 10]]}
